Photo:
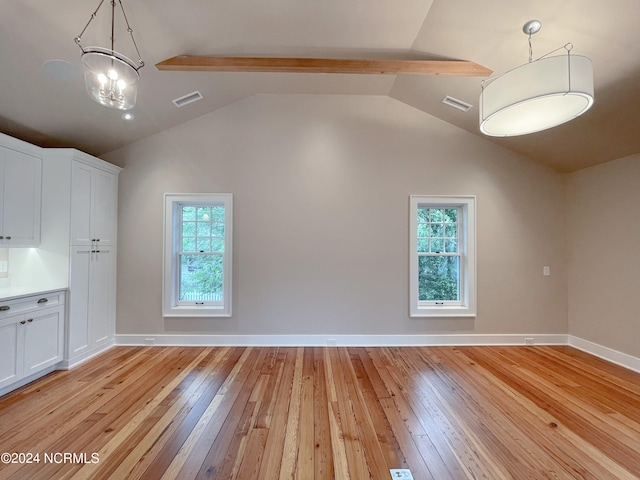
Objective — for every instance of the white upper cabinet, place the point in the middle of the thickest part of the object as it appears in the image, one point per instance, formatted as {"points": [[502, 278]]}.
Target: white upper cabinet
{"points": [[93, 205], [20, 194]]}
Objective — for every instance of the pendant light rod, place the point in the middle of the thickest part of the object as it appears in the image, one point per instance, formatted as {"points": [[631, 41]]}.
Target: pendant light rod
{"points": [[531, 28], [113, 24]]}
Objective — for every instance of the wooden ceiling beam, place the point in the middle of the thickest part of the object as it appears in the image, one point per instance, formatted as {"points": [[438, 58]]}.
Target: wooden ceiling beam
{"points": [[322, 65]]}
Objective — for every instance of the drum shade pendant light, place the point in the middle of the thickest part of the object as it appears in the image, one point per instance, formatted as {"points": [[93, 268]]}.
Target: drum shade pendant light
{"points": [[111, 79], [536, 96]]}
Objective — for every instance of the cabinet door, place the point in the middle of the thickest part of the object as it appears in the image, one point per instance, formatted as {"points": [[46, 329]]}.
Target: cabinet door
{"points": [[11, 351], [81, 204], [22, 189], [104, 205], [43, 340], [94, 203], [78, 331], [91, 299], [102, 296]]}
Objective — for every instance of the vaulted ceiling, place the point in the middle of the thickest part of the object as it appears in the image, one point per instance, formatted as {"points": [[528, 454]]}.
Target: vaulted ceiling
{"points": [[42, 98]]}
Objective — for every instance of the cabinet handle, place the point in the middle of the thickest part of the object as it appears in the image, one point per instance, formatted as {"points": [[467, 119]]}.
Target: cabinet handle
{"points": [[1, 237], [30, 320], [23, 322], [5, 308], [43, 300], [8, 238]]}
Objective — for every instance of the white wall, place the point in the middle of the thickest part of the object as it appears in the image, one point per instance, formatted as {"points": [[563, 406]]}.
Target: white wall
{"points": [[321, 190], [604, 258]]}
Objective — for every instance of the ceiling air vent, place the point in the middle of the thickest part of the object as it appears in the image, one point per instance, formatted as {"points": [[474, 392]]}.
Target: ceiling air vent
{"points": [[188, 98], [455, 103]]}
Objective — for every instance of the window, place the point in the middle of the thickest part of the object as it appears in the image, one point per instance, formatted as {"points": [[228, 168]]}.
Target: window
{"points": [[442, 263], [197, 253]]}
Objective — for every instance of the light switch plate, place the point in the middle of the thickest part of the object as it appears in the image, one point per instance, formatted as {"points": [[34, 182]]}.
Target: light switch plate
{"points": [[401, 473]]}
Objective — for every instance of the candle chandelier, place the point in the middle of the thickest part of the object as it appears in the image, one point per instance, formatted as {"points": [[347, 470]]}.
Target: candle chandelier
{"points": [[111, 79]]}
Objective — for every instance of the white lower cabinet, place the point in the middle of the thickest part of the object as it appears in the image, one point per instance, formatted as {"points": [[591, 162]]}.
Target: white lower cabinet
{"points": [[11, 352], [43, 340], [31, 336], [91, 324]]}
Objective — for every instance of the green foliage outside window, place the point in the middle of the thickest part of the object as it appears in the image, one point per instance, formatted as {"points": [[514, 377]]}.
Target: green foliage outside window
{"points": [[437, 236], [438, 278], [201, 277], [202, 232]]}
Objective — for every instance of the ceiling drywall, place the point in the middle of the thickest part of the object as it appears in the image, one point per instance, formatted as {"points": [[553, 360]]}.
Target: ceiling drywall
{"points": [[45, 103]]}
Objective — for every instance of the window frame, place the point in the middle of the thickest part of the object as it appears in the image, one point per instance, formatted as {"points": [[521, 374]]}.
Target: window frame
{"points": [[171, 304], [466, 306]]}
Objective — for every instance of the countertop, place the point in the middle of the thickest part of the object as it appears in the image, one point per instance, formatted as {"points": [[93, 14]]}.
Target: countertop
{"points": [[11, 293]]}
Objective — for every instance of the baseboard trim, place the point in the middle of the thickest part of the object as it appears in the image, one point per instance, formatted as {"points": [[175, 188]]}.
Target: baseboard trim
{"points": [[29, 379], [68, 364], [606, 353], [613, 356], [341, 340]]}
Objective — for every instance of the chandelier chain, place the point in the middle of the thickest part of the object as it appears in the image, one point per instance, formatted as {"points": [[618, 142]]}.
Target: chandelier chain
{"points": [[93, 15], [129, 29]]}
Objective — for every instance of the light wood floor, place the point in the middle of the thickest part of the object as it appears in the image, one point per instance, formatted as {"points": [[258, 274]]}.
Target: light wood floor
{"points": [[325, 413]]}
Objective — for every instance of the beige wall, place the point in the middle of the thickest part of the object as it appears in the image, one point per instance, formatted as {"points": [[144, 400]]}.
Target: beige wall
{"points": [[604, 258], [321, 190]]}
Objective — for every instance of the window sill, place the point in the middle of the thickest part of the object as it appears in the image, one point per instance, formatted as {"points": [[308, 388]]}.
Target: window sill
{"points": [[189, 311], [442, 312]]}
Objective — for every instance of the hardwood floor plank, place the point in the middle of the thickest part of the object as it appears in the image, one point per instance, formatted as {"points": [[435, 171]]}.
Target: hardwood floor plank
{"points": [[338, 447], [329, 413], [569, 411], [381, 450], [128, 425], [350, 435], [285, 371], [305, 461], [165, 421], [72, 421], [289, 450], [379, 424], [170, 449], [205, 456], [323, 461], [519, 447], [253, 454]]}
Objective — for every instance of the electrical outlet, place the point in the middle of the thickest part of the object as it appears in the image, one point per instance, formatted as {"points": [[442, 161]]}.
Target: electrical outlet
{"points": [[546, 271], [529, 341], [149, 341], [331, 342], [402, 473], [4, 266]]}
